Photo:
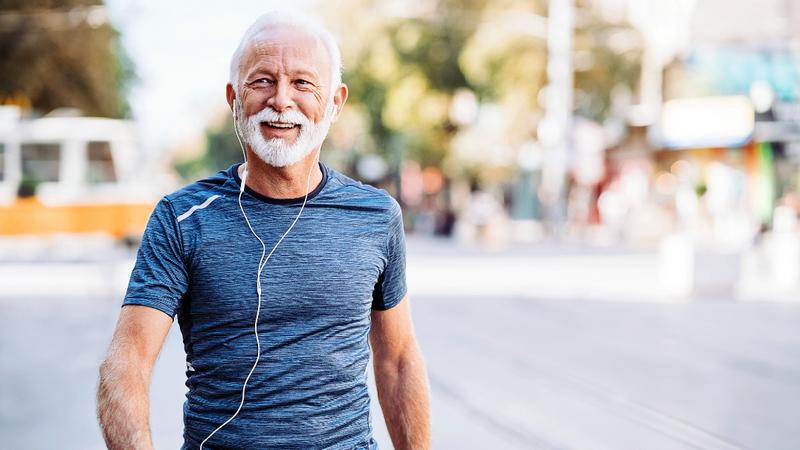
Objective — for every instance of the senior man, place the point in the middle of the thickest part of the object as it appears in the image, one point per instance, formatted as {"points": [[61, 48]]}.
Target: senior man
{"points": [[281, 271]]}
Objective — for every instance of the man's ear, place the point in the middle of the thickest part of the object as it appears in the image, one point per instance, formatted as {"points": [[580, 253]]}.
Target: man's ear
{"points": [[339, 99], [230, 95]]}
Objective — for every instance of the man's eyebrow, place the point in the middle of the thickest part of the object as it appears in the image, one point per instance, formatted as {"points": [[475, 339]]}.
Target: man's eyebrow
{"points": [[259, 71], [308, 73], [305, 72]]}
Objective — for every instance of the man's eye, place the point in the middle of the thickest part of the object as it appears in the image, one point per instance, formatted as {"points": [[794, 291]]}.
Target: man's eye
{"points": [[261, 82], [303, 82]]}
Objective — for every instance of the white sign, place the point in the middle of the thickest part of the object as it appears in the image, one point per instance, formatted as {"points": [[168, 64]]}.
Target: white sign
{"points": [[706, 122]]}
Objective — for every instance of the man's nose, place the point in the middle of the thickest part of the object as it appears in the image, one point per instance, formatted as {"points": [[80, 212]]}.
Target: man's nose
{"points": [[281, 99]]}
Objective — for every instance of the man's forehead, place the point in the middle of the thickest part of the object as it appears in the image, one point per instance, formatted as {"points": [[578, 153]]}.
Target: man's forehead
{"points": [[287, 40]]}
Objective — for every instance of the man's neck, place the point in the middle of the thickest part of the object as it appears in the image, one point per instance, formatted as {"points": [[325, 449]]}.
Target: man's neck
{"points": [[282, 182]]}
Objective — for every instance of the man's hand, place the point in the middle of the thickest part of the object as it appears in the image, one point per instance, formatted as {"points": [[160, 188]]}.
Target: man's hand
{"points": [[401, 378], [123, 406]]}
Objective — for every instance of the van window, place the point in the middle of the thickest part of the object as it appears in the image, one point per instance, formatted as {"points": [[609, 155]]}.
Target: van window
{"points": [[41, 162], [100, 164]]}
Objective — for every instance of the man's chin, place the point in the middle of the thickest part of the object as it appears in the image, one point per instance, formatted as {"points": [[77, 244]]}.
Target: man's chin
{"points": [[284, 138], [281, 156], [279, 142]]}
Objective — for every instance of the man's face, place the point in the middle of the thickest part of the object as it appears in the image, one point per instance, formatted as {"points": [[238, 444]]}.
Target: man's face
{"points": [[284, 99]]}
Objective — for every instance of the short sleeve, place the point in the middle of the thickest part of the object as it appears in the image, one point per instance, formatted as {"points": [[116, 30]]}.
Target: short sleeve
{"points": [[391, 285], [159, 278]]}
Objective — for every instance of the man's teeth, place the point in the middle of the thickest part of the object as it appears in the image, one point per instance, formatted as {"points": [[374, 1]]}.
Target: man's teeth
{"points": [[281, 125]]}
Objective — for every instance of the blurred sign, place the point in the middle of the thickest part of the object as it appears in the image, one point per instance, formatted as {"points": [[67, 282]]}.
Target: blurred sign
{"points": [[706, 122], [733, 70]]}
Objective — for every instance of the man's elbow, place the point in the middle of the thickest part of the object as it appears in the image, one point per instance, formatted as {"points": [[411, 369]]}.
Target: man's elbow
{"points": [[408, 361], [120, 386], [107, 380], [111, 367], [105, 372], [117, 374], [106, 368], [109, 377]]}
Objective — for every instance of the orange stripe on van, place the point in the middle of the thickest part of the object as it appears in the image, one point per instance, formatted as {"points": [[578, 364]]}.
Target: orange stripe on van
{"points": [[31, 217]]}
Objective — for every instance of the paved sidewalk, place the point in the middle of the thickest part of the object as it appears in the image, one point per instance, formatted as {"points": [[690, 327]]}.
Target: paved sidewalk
{"points": [[440, 267], [517, 355]]}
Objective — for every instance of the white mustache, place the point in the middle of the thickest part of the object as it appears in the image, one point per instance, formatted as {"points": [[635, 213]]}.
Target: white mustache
{"points": [[289, 116]]}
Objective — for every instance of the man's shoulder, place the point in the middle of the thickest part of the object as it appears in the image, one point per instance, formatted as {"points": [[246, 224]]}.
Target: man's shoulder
{"points": [[200, 191], [359, 194]]}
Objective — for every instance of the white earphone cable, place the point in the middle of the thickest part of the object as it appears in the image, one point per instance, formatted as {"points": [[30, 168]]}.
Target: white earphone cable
{"points": [[261, 263]]}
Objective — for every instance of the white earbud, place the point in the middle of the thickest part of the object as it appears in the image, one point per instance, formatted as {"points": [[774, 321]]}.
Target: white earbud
{"points": [[333, 111], [244, 153]]}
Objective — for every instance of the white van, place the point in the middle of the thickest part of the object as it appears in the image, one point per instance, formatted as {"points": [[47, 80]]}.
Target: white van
{"points": [[71, 174]]}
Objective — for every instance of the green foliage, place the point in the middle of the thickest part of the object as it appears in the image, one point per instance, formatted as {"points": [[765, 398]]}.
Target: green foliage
{"points": [[433, 48], [403, 68], [406, 73], [55, 56], [607, 67]]}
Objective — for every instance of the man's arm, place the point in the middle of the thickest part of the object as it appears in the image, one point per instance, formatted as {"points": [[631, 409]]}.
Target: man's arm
{"points": [[123, 406], [401, 378]]}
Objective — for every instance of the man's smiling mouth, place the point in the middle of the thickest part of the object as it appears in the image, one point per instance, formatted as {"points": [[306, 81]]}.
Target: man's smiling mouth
{"points": [[280, 125]]}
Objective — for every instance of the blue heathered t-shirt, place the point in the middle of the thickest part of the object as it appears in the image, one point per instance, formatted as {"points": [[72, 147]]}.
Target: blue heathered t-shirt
{"points": [[344, 257]]}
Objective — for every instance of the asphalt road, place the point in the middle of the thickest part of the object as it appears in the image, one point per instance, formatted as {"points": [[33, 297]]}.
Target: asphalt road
{"points": [[506, 371]]}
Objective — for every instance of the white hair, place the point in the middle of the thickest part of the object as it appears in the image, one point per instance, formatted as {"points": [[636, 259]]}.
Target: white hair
{"points": [[278, 19]]}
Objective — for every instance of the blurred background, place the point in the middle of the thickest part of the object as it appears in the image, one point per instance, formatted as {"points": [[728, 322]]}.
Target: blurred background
{"points": [[601, 200]]}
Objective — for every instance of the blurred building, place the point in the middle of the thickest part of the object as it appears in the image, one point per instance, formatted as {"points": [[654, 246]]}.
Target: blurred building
{"points": [[720, 148]]}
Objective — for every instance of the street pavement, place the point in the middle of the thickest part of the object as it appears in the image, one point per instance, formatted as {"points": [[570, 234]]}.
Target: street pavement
{"points": [[542, 347]]}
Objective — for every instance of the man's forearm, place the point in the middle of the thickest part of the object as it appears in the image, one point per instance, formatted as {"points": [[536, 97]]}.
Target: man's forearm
{"points": [[123, 407], [404, 399]]}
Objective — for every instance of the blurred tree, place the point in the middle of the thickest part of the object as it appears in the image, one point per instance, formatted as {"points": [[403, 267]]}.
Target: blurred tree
{"points": [[505, 61], [607, 56], [62, 53], [402, 65], [405, 63]]}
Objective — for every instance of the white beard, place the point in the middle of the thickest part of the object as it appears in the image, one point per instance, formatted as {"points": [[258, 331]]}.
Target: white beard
{"points": [[277, 152]]}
